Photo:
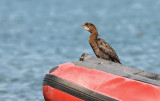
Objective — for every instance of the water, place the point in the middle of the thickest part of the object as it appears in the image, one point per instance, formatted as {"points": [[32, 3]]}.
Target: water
{"points": [[37, 35]]}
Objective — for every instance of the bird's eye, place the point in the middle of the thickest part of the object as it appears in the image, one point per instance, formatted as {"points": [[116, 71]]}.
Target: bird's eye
{"points": [[86, 23]]}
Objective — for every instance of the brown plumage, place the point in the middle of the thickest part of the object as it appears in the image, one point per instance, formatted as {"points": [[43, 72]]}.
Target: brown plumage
{"points": [[100, 47]]}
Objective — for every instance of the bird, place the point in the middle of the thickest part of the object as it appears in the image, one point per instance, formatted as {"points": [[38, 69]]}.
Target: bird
{"points": [[101, 48]]}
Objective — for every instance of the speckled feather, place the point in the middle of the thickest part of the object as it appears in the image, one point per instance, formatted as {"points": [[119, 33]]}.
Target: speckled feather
{"points": [[107, 50]]}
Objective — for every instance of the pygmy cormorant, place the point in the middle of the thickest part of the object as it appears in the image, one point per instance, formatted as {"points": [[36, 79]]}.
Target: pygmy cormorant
{"points": [[100, 47]]}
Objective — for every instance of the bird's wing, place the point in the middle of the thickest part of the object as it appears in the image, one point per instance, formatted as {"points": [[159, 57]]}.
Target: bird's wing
{"points": [[108, 50]]}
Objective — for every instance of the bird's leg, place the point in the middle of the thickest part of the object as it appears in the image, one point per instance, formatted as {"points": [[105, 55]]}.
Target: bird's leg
{"points": [[100, 62]]}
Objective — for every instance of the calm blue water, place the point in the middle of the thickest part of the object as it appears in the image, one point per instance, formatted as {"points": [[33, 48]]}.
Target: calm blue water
{"points": [[36, 35]]}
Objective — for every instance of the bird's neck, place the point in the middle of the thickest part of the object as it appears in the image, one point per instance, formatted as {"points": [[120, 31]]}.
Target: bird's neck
{"points": [[93, 35], [93, 39]]}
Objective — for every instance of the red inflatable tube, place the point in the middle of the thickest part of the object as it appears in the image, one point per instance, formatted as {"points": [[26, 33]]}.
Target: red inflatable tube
{"points": [[71, 82]]}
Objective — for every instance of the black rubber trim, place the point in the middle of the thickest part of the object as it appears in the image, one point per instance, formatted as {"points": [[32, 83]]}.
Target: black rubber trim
{"points": [[74, 89], [53, 69]]}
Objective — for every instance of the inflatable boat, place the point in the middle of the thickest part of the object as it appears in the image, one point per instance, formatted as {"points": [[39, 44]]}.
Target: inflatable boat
{"points": [[95, 79]]}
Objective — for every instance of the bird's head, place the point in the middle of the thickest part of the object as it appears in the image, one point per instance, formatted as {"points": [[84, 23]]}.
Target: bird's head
{"points": [[89, 27]]}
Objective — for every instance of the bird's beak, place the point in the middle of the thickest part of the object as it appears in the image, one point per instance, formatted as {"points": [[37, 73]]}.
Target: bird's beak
{"points": [[82, 25], [85, 27]]}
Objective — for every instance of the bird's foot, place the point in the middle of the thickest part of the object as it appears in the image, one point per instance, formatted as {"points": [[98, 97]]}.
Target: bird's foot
{"points": [[100, 62]]}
